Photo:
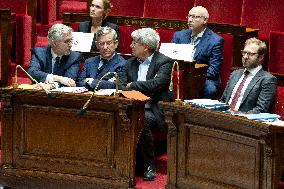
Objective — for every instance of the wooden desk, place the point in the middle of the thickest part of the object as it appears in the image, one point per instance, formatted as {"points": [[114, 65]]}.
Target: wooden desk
{"points": [[208, 149], [47, 144]]}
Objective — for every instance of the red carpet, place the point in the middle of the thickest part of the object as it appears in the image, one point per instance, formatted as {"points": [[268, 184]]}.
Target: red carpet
{"points": [[161, 180]]}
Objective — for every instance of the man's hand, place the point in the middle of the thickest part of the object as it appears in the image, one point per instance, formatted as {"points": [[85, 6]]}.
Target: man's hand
{"points": [[40, 86], [65, 81], [128, 86]]}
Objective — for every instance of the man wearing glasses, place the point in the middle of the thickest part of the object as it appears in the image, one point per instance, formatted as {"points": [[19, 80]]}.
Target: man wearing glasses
{"points": [[56, 65], [251, 89], [108, 61], [207, 48]]}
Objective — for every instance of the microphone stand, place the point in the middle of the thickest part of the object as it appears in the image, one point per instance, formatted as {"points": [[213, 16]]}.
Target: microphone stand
{"points": [[15, 84], [177, 100], [116, 94]]}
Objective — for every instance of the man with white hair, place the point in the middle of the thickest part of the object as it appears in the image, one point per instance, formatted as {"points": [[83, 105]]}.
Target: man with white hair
{"points": [[56, 65], [208, 48], [150, 73]]}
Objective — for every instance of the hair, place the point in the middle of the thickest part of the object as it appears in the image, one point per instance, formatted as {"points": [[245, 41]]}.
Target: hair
{"points": [[261, 45], [104, 31], [57, 31], [203, 10], [147, 36], [107, 4]]}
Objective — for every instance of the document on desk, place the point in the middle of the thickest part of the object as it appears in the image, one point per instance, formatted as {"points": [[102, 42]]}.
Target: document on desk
{"points": [[206, 103], [260, 117], [177, 51], [70, 89], [82, 42], [106, 92]]}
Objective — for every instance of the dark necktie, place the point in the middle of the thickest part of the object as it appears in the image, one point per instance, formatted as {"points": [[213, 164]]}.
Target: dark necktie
{"points": [[105, 63], [56, 66], [238, 91], [194, 40]]}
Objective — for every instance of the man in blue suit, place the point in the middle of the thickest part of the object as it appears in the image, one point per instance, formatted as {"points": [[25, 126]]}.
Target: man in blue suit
{"points": [[208, 47], [56, 65], [108, 61]]}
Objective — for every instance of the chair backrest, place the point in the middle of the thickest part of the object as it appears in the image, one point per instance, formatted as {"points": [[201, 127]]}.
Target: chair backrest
{"points": [[222, 11], [5, 45], [167, 9], [278, 106], [264, 15], [276, 51], [127, 8]]}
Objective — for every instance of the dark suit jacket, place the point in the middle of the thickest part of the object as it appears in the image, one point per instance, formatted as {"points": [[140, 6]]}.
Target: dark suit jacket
{"points": [[208, 51], [259, 94], [41, 64], [157, 81], [86, 28], [90, 68]]}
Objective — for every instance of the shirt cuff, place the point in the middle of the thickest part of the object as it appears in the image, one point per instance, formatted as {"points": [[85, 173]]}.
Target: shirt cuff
{"points": [[49, 78], [90, 81]]}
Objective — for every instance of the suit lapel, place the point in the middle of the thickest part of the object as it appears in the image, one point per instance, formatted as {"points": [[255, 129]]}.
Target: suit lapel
{"points": [[252, 84], [187, 37], [110, 64], [233, 84], [151, 68], [49, 60], [202, 43]]}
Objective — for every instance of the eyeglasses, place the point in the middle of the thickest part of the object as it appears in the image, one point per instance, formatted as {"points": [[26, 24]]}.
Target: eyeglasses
{"points": [[194, 17], [248, 53], [134, 43], [103, 43]]}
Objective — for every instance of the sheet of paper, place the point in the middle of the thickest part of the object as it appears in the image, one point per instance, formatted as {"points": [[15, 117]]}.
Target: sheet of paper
{"points": [[70, 89], [82, 42], [177, 51], [105, 92]]}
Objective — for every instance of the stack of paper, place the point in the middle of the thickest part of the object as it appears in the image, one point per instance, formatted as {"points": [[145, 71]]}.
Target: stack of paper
{"points": [[261, 116], [207, 103]]}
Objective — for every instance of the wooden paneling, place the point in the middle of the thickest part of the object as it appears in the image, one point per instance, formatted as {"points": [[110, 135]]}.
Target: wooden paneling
{"points": [[46, 140], [208, 149]]}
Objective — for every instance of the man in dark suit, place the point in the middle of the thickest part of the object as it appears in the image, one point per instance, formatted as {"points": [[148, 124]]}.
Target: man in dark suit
{"points": [[108, 61], [55, 64], [150, 73], [208, 48], [251, 89]]}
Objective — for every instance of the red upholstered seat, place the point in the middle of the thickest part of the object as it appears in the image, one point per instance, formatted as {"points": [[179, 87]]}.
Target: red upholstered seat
{"points": [[72, 6], [127, 8], [47, 11], [228, 61], [125, 38], [276, 51], [23, 33], [222, 11], [278, 106], [264, 15], [167, 9]]}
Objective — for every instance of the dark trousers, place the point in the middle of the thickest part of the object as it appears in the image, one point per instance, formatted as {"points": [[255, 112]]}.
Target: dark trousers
{"points": [[145, 148]]}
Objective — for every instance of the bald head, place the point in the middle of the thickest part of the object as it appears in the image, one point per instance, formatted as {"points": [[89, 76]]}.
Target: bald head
{"points": [[197, 19], [202, 11]]}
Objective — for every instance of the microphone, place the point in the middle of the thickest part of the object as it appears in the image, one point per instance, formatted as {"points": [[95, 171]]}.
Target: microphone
{"points": [[15, 84], [83, 109], [177, 100]]}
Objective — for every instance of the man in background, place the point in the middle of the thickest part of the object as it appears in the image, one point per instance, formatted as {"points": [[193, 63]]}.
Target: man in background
{"points": [[108, 61], [208, 48], [251, 89], [56, 65], [150, 73]]}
